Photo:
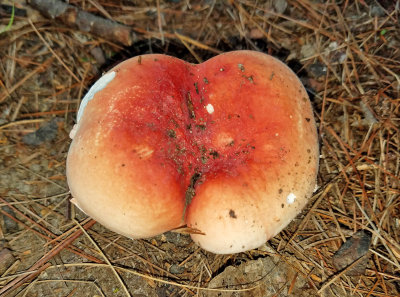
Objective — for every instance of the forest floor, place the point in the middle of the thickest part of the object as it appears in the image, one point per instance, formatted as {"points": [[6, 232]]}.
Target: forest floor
{"points": [[344, 243]]}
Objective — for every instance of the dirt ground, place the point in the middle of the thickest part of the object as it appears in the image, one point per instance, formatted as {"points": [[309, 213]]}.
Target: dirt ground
{"points": [[347, 55]]}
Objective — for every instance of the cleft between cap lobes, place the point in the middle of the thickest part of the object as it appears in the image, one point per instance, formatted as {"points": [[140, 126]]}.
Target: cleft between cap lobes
{"points": [[191, 144], [185, 129]]}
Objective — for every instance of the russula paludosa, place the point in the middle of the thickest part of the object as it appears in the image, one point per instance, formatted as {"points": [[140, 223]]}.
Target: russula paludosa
{"points": [[228, 147]]}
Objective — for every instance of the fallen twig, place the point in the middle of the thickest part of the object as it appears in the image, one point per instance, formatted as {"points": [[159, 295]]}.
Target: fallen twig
{"points": [[84, 21], [16, 283]]}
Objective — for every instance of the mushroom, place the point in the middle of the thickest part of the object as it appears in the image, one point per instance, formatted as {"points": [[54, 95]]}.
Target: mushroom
{"points": [[228, 147]]}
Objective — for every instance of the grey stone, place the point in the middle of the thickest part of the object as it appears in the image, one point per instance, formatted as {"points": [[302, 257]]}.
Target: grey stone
{"points": [[44, 134], [354, 248], [6, 260]]}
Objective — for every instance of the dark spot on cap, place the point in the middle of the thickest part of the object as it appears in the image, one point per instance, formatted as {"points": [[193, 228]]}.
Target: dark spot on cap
{"points": [[250, 78], [232, 214], [280, 191], [123, 165], [308, 119], [282, 205], [272, 76], [215, 154], [201, 127], [171, 133]]}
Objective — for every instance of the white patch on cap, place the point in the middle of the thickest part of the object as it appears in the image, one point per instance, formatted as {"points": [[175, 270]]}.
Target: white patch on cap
{"points": [[224, 139], [210, 108], [73, 131], [98, 86], [290, 198], [143, 151]]}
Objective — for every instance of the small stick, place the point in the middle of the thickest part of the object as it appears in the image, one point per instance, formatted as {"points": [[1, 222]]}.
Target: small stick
{"points": [[52, 51], [84, 21], [104, 256], [16, 283], [38, 69], [335, 277]]}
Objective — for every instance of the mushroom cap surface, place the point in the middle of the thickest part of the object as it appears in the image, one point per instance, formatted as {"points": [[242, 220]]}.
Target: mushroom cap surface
{"points": [[228, 147]]}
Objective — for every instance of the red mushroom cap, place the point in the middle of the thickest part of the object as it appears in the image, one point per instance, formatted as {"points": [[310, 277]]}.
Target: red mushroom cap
{"points": [[228, 147]]}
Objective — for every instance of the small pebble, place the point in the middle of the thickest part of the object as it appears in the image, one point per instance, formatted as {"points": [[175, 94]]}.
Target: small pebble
{"points": [[376, 11], [6, 260], [176, 269], [280, 6], [10, 226], [318, 69], [98, 54]]}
